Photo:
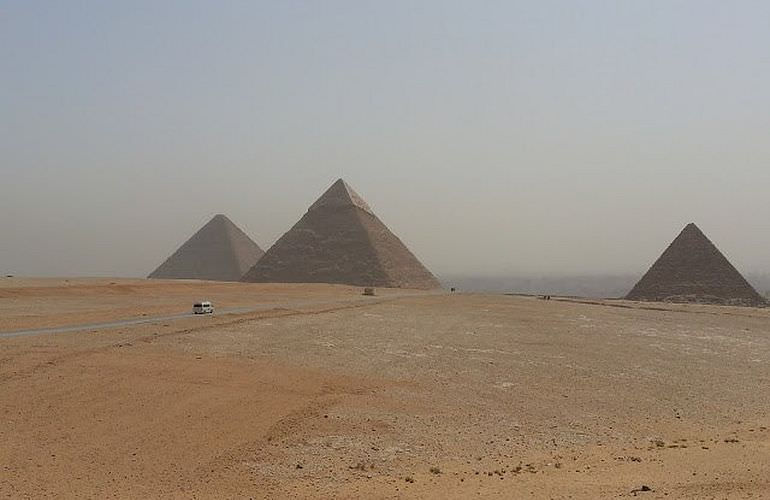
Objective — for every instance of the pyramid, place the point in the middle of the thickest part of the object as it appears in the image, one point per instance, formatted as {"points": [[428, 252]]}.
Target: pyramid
{"points": [[340, 240], [692, 269], [219, 251]]}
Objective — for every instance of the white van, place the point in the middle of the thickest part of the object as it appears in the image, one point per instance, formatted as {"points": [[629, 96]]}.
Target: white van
{"points": [[203, 308]]}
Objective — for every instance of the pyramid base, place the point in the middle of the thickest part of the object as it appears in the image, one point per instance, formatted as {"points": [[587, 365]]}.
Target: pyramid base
{"points": [[703, 299]]}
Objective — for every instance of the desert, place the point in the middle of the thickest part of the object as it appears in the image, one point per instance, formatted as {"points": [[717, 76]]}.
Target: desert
{"points": [[318, 391]]}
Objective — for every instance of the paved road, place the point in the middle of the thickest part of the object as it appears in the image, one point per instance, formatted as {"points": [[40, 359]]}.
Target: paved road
{"points": [[116, 324], [173, 317]]}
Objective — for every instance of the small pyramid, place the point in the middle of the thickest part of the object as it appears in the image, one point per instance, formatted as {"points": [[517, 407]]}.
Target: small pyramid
{"points": [[340, 240], [219, 251], [692, 269]]}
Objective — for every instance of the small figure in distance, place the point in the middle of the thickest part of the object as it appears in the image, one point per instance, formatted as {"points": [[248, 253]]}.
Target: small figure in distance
{"points": [[452, 289], [369, 291]]}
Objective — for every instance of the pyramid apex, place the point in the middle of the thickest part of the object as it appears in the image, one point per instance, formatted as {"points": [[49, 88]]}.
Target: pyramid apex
{"points": [[342, 183], [219, 219], [340, 194], [693, 229]]}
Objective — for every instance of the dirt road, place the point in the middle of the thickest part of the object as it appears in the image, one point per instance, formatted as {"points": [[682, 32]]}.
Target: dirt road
{"points": [[295, 304]]}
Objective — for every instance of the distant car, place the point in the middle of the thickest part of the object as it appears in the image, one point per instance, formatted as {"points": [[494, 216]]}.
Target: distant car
{"points": [[203, 308], [369, 291]]}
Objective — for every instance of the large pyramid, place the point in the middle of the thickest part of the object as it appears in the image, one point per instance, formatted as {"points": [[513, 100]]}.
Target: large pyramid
{"points": [[219, 251], [340, 240], [692, 269]]}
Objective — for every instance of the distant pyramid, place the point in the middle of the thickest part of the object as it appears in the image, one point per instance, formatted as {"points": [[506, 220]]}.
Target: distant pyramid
{"points": [[340, 240], [692, 269], [219, 251]]}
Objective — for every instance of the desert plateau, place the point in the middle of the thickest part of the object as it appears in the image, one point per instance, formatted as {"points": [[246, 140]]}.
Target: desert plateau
{"points": [[317, 391]]}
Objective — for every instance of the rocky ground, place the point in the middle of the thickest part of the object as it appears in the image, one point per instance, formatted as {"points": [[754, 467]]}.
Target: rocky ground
{"points": [[331, 395]]}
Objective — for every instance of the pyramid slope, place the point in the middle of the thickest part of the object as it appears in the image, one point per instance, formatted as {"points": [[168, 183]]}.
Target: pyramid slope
{"points": [[692, 269], [219, 251], [339, 240]]}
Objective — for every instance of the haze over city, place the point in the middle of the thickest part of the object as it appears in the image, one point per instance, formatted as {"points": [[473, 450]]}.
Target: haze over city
{"points": [[497, 138]]}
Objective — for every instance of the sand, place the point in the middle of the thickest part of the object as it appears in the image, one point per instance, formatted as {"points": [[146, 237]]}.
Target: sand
{"points": [[419, 396]]}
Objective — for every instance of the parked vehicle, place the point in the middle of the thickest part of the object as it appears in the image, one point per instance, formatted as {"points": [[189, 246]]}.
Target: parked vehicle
{"points": [[203, 308]]}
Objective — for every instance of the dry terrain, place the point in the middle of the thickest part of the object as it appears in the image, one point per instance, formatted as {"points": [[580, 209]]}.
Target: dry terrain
{"points": [[324, 393]]}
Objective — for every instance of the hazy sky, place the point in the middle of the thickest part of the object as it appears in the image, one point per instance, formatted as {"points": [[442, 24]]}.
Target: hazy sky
{"points": [[492, 137]]}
